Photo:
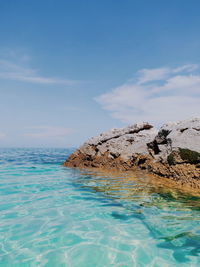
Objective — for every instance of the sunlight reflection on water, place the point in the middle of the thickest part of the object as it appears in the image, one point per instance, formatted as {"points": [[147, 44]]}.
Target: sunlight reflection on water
{"points": [[56, 216]]}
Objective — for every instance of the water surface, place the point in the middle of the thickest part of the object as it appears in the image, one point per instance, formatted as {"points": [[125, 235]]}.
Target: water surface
{"points": [[55, 216]]}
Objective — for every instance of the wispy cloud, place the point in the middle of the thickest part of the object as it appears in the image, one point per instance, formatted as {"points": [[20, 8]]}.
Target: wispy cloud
{"points": [[2, 135], [156, 95], [14, 71], [43, 132]]}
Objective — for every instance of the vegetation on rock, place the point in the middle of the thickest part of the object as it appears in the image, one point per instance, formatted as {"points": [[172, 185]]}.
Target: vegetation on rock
{"points": [[171, 159], [189, 155]]}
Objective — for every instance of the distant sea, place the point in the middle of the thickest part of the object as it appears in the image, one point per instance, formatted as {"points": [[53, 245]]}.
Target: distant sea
{"points": [[53, 216]]}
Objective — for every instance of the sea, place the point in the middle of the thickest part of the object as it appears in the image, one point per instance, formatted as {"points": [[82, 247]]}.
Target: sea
{"points": [[51, 215]]}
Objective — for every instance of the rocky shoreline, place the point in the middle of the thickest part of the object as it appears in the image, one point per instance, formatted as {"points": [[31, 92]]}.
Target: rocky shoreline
{"points": [[171, 152]]}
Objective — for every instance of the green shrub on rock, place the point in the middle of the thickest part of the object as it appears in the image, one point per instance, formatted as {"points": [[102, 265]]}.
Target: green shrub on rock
{"points": [[189, 155], [171, 160]]}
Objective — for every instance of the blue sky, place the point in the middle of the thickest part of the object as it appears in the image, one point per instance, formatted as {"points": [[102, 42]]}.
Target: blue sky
{"points": [[70, 69]]}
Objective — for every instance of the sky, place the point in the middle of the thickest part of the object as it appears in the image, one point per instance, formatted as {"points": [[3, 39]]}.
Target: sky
{"points": [[71, 69]]}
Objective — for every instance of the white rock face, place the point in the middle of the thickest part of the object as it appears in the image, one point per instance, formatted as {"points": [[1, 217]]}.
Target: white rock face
{"points": [[144, 139], [124, 142], [183, 134], [142, 146]]}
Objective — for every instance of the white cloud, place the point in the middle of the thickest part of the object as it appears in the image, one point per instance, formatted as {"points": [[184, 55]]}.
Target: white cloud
{"points": [[43, 132], [18, 72], [159, 74], [147, 75], [187, 68], [156, 95]]}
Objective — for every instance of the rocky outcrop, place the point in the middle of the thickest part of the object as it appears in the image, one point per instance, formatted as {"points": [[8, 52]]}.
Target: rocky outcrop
{"points": [[172, 152], [117, 145], [175, 136]]}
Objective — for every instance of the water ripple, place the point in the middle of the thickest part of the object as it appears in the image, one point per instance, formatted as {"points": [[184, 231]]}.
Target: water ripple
{"points": [[55, 216]]}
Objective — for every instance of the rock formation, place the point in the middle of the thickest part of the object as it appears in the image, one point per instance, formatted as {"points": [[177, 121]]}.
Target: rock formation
{"points": [[172, 152]]}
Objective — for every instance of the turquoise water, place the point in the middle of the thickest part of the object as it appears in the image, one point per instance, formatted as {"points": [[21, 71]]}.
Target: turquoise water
{"points": [[55, 216]]}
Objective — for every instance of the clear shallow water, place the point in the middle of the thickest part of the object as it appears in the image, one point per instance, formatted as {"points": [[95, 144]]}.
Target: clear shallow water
{"points": [[54, 216]]}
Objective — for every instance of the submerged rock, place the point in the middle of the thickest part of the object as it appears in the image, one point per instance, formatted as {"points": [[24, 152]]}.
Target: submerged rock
{"points": [[172, 152]]}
